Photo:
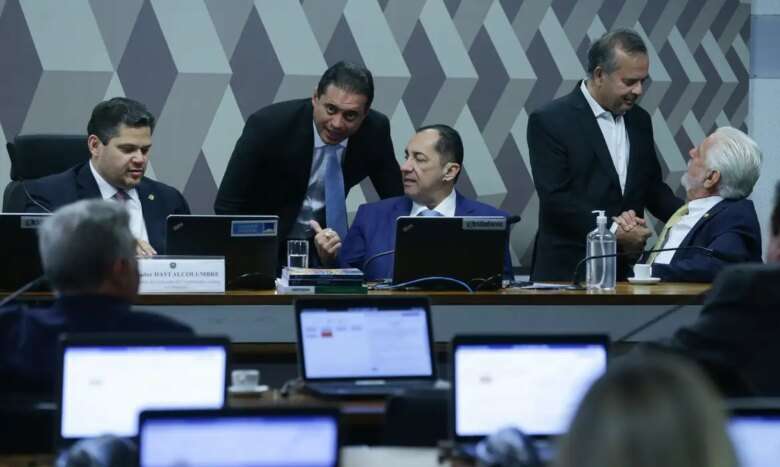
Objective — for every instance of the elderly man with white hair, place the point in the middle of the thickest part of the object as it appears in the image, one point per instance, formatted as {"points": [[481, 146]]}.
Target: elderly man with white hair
{"points": [[721, 174]]}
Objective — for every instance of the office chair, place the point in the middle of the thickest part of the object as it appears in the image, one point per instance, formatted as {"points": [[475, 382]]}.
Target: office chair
{"points": [[35, 156]]}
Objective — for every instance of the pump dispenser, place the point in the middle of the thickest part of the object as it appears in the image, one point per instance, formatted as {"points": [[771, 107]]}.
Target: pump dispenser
{"points": [[600, 272]]}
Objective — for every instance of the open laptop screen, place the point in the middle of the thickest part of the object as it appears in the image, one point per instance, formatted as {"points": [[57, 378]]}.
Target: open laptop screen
{"points": [[243, 438], [535, 386], [756, 437], [365, 340], [104, 386]]}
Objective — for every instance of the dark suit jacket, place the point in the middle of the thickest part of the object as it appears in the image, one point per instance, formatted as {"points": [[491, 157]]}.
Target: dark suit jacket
{"points": [[373, 231], [29, 336], [574, 175], [269, 170], [731, 227], [738, 330], [158, 200]]}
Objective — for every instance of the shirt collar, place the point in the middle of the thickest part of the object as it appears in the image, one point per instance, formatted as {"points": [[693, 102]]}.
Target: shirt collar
{"points": [[107, 190], [703, 204], [319, 143], [446, 207], [595, 107]]}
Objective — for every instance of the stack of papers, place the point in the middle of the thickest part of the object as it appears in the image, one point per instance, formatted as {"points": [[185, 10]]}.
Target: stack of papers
{"points": [[321, 281]]}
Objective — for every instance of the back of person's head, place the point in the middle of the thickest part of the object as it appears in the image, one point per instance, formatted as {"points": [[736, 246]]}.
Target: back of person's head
{"points": [[109, 115], [349, 77], [649, 410], [105, 451], [449, 145], [81, 244], [738, 160], [602, 51]]}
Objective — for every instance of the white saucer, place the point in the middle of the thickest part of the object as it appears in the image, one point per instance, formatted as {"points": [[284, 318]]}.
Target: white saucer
{"points": [[252, 390], [648, 281]]}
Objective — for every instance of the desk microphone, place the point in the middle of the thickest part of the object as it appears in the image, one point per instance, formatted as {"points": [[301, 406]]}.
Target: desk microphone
{"points": [[33, 200], [35, 282], [723, 256], [658, 318]]}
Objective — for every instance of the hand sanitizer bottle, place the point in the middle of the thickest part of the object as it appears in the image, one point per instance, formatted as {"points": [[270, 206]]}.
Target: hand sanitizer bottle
{"points": [[600, 272]]}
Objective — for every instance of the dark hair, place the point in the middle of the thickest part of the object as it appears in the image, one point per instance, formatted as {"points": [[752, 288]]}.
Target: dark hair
{"points": [[775, 227], [108, 115], [602, 52], [349, 77], [449, 144]]}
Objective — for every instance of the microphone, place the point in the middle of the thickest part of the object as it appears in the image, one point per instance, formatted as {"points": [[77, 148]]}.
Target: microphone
{"points": [[35, 282], [723, 256], [658, 318], [33, 200]]}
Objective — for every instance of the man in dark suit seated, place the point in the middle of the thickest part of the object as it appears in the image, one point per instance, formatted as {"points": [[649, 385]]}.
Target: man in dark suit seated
{"points": [[298, 159], [120, 138], [88, 256], [593, 149], [721, 174], [434, 159]]}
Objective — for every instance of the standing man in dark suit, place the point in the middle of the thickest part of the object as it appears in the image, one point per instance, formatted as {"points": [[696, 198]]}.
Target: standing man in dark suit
{"points": [[120, 138], [298, 159], [594, 149]]}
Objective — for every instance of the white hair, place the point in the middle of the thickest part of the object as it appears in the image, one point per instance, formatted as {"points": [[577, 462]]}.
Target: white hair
{"points": [[738, 160]]}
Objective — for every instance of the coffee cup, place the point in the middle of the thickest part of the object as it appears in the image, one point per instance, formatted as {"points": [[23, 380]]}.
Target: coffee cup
{"points": [[643, 271], [245, 379]]}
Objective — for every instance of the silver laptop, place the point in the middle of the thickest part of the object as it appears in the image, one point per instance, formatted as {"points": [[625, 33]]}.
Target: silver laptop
{"points": [[756, 436], [370, 346]]}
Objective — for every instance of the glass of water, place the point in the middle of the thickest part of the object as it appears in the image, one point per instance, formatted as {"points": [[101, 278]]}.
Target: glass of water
{"points": [[298, 253]]}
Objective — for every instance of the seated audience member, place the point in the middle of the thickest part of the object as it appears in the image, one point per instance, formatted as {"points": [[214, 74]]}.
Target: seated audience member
{"points": [[120, 138], [104, 451], [88, 256], [736, 334], [649, 411], [434, 159], [721, 174]]}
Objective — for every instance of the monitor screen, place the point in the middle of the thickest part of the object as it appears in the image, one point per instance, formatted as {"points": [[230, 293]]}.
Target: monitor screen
{"points": [[535, 387], [365, 343], [756, 439], [104, 388], [272, 440]]}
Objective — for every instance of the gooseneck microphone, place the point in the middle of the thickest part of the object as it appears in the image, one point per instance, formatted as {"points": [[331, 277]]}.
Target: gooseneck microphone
{"points": [[35, 282], [633, 332], [723, 256], [33, 200]]}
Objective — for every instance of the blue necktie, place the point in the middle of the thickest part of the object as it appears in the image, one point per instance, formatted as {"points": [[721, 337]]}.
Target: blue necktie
{"points": [[430, 213], [335, 200]]}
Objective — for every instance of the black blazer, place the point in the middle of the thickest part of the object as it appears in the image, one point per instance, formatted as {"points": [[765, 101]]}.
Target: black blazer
{"points": [[158, 200], [269, 170], [574, 175]]}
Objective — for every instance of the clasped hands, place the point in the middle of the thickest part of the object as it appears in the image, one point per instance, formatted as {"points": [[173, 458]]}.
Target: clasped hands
{"points": [[632, 231], [327, 242]]}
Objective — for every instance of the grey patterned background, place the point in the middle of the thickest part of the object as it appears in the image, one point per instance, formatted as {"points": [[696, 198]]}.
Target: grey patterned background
{"points": [[202, 66]]}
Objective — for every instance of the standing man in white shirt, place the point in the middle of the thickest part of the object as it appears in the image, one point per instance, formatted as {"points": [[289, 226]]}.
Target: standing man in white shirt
{"points": [[119, 140], [593, 149], [722, 172]]}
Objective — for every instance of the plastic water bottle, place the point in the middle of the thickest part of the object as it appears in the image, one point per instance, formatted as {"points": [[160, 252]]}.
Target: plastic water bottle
{"points": [[600, 272]]}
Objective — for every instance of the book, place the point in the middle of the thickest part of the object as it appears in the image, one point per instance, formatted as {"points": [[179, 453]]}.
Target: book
{"points": [[311, 276], [283, 287]]}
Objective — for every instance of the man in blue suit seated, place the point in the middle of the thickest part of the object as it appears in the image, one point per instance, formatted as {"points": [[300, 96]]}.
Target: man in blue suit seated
{"points": [[119, 141], [721, 174], [434, 159], [88, 256]]}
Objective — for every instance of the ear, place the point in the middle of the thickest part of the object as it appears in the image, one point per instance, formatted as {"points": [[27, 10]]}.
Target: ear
{"points": [[451, 170], [314, 97], [598, 75], [712, 179], [93, 143]]}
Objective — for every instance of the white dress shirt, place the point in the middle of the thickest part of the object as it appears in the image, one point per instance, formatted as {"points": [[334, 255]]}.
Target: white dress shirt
{"points": [[613, 127], [446, 207], [697, 209], [133, 205], [314, 202]]}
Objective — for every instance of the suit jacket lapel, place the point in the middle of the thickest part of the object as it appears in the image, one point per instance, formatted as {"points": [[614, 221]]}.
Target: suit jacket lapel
{"points": [[463, 206], [703, 221], [86, 185], [636, 144], [301, 145], [592, 132]]}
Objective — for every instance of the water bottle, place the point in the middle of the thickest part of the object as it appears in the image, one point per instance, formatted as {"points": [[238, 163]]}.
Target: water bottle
{"points": [[600, 272]]}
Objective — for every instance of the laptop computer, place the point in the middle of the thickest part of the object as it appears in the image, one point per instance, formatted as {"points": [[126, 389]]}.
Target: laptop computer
{"points": [[534, 383], [22, 262], [375, 346], [432, 247], [278, 437], [106, 380], [250, 245], [755, 434]]}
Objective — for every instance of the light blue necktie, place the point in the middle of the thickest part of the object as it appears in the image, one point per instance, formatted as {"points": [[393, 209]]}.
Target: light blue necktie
{"points": [[430, 213], [335, 200]]}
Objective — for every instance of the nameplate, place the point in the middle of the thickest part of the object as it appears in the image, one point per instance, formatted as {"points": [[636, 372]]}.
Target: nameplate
{"points": [[182, 274]]}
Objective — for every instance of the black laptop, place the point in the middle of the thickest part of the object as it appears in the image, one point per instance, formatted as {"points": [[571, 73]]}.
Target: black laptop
{"points": [[531, 382], [370, 346], [279, 437], [755, 433], [21, 259], [106, 380], [468, 249], [250, 245]]}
